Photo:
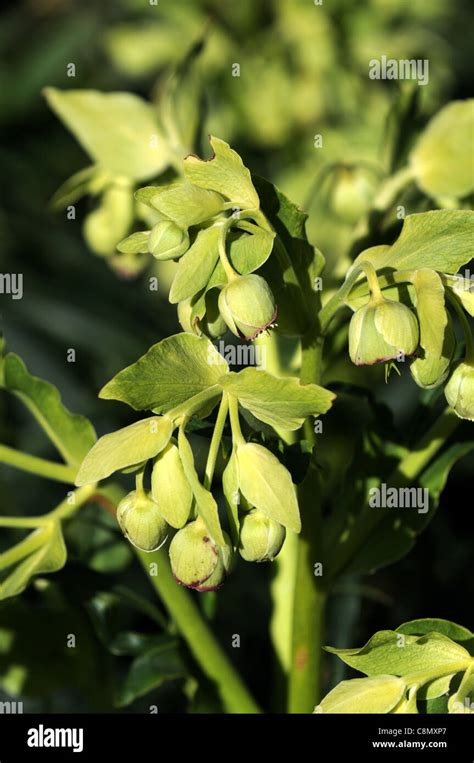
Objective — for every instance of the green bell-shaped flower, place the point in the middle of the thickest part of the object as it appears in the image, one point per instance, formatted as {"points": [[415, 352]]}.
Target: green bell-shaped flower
{"points": [[196, 561], [167, 241], [261, 538], [141, 522], [247, 306], [382, 330], [432, 370], [459, 390]]}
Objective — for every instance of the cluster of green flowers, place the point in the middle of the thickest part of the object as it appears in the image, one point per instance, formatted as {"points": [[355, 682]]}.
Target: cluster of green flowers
{"points": [[211, 223], [384, 330], [200, 551], [196, 217]]}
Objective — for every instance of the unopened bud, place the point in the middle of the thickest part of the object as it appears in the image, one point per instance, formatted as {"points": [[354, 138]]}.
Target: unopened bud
{"points": [[141, 522], [459, 390], [167, 241], [261, 538], [247, 306], [381, 331], [197, 562]]}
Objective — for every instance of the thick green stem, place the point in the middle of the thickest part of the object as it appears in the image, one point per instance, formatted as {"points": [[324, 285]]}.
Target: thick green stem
{"points": [[199, 637], [237, 435], [40, 466], [309, 597], [309, 603]]}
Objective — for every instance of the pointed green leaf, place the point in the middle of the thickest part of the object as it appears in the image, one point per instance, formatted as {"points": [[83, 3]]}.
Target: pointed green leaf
{"points": [[196, 266], [364, 695], [442, 157], [150, 669], [464, 289], [267, 485], [118, 130], [230, 486], [388, 651], [137, 243], [442, 240], [170, 373], [71, 434], [246, 254], [298, 264], [224, 173], [131, 445], [74, 188], [206, 505], [170, 488], [186, 204], [430, 310], [407, 704], [435, 688], [282, 403], [49, 557], [434, 624]]}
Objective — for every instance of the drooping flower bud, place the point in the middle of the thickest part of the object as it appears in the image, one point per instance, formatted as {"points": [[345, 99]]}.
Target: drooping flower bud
{"points": [[432, 370], [459, 390], [141, 522], [197, 562], [247, 306], [261, 538], [382, 330], [167, 241]]}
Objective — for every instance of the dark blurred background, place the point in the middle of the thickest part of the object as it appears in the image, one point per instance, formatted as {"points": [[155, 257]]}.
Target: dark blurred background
{"points": [[302, 73]]}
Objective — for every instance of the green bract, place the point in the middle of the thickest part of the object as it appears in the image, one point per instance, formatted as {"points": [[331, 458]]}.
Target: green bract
{"points": [[404, 666], [197, 562], [129, 446], [171, 373], [267, 485], [283, 403], [441, 239], [261, 538], [382, 330], [118, 130], [169, 487], [141, 521], [432, 369], [459, 390], [224, 173], [247, 306], [184, 203], [437, 340]]}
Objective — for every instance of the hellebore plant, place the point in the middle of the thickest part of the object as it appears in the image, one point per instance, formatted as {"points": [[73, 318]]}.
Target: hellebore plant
{"points": [[244, 264]]}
